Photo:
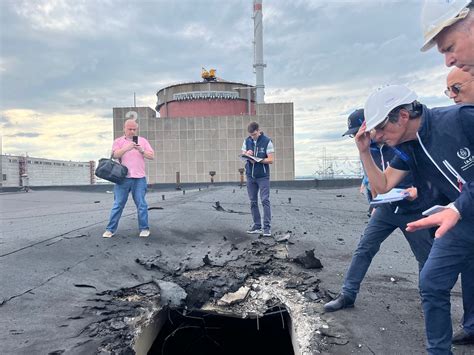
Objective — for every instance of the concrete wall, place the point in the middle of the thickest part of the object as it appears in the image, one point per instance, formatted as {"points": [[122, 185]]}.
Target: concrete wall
{"points": [[45, 172], [10, 171], [276, 120], [196, 145]]}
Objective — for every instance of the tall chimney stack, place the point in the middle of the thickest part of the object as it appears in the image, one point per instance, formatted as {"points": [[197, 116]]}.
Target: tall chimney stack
{"points": [[258, 50]]}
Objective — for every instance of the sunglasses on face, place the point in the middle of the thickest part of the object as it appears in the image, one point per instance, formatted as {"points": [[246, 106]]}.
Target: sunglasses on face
{"points": [[455, 89], [382, 124]]}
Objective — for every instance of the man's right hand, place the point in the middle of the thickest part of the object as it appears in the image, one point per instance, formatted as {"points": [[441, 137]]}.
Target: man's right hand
{"points": [[249, 152], [362, 139]]}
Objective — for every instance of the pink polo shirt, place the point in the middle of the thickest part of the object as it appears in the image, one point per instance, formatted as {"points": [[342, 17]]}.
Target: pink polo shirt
{"points": [[133, 159]]}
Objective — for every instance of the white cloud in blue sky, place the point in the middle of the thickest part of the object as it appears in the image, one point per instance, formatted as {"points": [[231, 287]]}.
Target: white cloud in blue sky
{"points": [[64, 64]]}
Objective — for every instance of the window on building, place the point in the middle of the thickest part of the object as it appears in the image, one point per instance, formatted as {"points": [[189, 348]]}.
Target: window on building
{"points": [[4, 177]]}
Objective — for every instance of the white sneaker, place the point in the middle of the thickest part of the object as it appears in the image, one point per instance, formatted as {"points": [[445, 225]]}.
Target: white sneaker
{"points": [[107, 234], [144, 233]]}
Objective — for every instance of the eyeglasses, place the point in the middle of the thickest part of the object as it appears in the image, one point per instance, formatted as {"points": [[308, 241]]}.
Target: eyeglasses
{"points": [[379, 127], [456, 88]]}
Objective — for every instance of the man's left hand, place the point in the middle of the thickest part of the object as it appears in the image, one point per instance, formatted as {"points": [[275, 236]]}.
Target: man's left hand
{"points": [[139, 148], [412, 193], [446, 220]]}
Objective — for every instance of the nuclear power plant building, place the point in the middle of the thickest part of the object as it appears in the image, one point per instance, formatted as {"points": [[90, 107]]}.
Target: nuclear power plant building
{"points": [[200, 128]]}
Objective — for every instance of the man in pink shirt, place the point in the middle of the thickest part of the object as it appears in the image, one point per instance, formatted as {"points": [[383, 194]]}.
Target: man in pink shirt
{"points": [[133, 156]]}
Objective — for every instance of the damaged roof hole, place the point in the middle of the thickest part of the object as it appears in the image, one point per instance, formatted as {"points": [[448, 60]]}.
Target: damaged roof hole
{"points": [[199, 332]]}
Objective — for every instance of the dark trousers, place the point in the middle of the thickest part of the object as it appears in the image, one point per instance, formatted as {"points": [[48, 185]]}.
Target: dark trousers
{"points": [[382, 223], [254, 185], [451, 255]]}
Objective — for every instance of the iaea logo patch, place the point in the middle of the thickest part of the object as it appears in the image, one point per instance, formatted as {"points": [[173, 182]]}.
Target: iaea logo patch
{"points": [[464, 153]]}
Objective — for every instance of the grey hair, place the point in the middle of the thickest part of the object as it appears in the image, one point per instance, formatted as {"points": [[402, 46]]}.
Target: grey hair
{"points": [[414, 110], [130, 121]]}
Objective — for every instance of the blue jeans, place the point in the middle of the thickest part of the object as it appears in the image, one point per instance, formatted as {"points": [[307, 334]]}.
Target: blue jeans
{"points": [[382, 223], [138, 188], [253, 186], [451, 254]]}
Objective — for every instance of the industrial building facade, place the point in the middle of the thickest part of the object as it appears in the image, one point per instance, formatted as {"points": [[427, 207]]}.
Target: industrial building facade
{"points": [[20, 170], [208, 138]]}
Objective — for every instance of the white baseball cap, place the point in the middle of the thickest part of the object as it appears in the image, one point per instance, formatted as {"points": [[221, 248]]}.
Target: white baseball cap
{"points": [[383, 100]]}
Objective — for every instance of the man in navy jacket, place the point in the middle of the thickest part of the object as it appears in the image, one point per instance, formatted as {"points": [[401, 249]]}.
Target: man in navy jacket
{"points": [[260, 146], [384, 220], [438, 144]]}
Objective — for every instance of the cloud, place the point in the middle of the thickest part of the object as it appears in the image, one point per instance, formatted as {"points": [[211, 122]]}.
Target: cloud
{"points": [[196, 31], [5, 122], [58, 136], [24, 134]]}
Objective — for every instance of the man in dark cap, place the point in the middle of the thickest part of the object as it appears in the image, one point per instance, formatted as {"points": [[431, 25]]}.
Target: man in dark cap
{"points": [[353, 124]]}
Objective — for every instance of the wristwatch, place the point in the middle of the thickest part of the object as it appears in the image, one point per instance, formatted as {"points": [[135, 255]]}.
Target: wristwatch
{"points": [[454, 208]]}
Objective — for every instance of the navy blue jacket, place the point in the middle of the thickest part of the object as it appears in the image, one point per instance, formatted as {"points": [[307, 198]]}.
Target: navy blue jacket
{"points": [[257, 170], [443, 155], [383, 157]]}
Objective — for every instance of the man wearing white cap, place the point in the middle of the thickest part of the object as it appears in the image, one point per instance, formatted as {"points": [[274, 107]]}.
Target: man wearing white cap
{"points": [[439, 146], [386, 218], [449, 24]]}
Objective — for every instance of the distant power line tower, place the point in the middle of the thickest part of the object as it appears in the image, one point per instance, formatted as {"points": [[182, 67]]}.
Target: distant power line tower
{"points": [[332, 167]]}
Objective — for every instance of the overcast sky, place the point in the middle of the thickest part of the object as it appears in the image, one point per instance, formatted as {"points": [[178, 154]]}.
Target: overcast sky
{"points": [[65, 63]]}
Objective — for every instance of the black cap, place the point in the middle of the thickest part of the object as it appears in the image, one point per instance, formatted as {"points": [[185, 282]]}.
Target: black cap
{"points": [[354, 121]]}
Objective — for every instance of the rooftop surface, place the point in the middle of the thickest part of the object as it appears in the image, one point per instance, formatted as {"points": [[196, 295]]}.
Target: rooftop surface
{"points": [[64, 289]]}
